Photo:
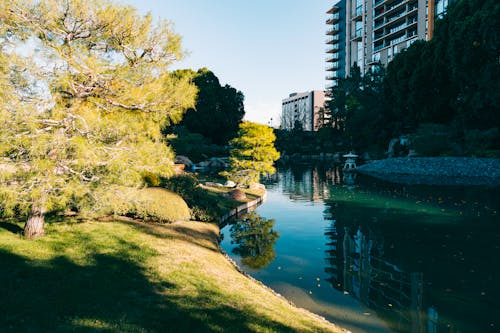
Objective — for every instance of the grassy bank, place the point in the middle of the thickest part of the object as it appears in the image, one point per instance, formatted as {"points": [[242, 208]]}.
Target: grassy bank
{"points": [[133, 277]]}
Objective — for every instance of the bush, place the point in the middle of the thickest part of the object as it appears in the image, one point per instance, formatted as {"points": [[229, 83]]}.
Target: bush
{"points": [[431, 140], [204, 207], [150, 204], [482, 142]]}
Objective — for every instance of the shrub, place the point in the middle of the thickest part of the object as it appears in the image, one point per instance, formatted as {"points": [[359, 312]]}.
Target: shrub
{"points": [[150, 204], [482, 142], [431, 140], [204, 207]]}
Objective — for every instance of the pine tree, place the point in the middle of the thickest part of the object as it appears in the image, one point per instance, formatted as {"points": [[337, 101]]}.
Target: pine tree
{"points": [[253, 153], [91, 102]]}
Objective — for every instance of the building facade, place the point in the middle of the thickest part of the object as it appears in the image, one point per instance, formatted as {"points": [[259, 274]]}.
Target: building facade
{"points": [[367, 32], [303, 108]]}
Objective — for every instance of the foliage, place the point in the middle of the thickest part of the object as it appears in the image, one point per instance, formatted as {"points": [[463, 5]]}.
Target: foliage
{"points": [[204, 207], [357, 109], [218, 111], [150, 204], [255, 239], [252, 153], [432, 140], [454, 79], [90, 102], [194, 145]]}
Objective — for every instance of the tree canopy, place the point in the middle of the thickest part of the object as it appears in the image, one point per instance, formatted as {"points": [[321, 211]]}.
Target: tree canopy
{"points": [[91, 98], [252, 153], [218, 111]]}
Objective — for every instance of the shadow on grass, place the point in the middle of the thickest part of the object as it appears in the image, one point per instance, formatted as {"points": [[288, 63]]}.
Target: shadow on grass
{"points": [[14, 228], [110, 295], [184, 233]]}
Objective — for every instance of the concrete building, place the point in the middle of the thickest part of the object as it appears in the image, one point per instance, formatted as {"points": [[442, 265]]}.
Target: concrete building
{"points": [[304, 108], [366, 32]]}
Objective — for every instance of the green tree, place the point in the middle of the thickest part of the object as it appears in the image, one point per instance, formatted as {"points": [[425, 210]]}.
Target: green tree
{"points": [[253, 153], [92, 101], [255, 239], [219, 109]]}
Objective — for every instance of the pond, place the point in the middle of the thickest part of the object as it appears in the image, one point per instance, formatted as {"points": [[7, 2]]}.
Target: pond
{"points": [[374, 256]]}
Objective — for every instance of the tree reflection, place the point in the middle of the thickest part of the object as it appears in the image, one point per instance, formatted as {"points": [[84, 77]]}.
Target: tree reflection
{"points": [[255, 239]]}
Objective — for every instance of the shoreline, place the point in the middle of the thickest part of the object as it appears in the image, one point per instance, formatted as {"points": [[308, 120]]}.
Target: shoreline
{"points": [[447, 171]]}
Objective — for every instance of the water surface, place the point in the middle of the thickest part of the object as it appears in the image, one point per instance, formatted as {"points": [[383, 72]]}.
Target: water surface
{"points": [[374, 256]]}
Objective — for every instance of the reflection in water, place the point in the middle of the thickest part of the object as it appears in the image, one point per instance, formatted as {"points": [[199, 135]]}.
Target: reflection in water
{"points": [[421, 258], [357, 267], [255, 239]]}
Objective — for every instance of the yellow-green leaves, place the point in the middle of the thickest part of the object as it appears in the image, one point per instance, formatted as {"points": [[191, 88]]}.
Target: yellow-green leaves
{"points": [[253, 153], [107, 92]]}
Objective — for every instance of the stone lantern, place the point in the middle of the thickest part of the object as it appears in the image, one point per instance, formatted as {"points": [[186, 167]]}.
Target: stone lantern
{"points": [[350, 162]]}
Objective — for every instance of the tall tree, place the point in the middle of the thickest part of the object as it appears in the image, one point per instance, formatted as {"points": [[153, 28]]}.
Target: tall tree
{"points": [[101, 70], [252, 154], [219, 109]]}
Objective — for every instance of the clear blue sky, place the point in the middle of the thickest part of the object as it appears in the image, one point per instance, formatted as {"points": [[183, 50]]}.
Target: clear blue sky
{"points": [[265, 48]]}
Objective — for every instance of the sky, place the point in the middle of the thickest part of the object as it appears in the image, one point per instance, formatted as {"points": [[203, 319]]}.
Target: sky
{"points": [[267, 49]]}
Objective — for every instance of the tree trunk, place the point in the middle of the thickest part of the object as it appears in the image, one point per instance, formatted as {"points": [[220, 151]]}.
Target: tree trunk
{"points": [[35, 224]]}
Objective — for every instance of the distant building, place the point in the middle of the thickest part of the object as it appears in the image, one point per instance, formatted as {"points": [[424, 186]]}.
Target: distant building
{"points": [[366, 32], [303, 108]]}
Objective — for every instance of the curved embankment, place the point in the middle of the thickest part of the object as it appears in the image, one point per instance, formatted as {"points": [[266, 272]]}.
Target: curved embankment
{"points": [[129, 276], [436, 170]]}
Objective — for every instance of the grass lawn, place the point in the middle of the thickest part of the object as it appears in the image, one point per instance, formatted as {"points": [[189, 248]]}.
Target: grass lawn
{"points": [[126, 276]]}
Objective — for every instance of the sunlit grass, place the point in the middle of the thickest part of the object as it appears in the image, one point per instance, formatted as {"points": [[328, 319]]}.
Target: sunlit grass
{"points": [[133, 277]]}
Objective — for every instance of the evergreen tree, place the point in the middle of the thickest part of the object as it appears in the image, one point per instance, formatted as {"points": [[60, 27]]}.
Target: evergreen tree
{"points": [[253, 153], [91, 103], [219, 109]]}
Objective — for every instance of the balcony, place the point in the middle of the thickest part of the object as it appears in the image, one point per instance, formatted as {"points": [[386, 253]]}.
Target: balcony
{"points": [[377, 3], [331, 77], [332, 58], [358, 14], [358, 35], [333, 67], [332, 10], [333, 19], [333, 40], [332, 31], [333, 49], [395, 6]]}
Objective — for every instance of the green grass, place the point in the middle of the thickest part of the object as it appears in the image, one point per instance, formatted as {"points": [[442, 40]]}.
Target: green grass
{"points": [[126, 276]]}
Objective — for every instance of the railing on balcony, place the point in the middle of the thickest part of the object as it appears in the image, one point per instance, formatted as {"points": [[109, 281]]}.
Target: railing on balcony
{"points": [[333, 67], [333, 49], [377, 2], [394, 5], [358, 34], [333, 39], [333, 30], [332, 58], [358, 13], [332, 19]]}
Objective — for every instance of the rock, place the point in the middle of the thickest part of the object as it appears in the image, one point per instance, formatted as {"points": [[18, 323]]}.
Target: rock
{"points": [[230, 183], [180, 159], [390, 149], [212, 184], [257, 186], [238, 195]]}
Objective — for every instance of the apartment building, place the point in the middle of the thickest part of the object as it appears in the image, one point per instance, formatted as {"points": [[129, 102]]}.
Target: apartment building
{"points": [[366, 32], [304, 108]]}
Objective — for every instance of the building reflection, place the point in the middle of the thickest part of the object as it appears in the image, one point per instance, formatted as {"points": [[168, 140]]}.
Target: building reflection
{"points": [[310, 183], [356, 266]]}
